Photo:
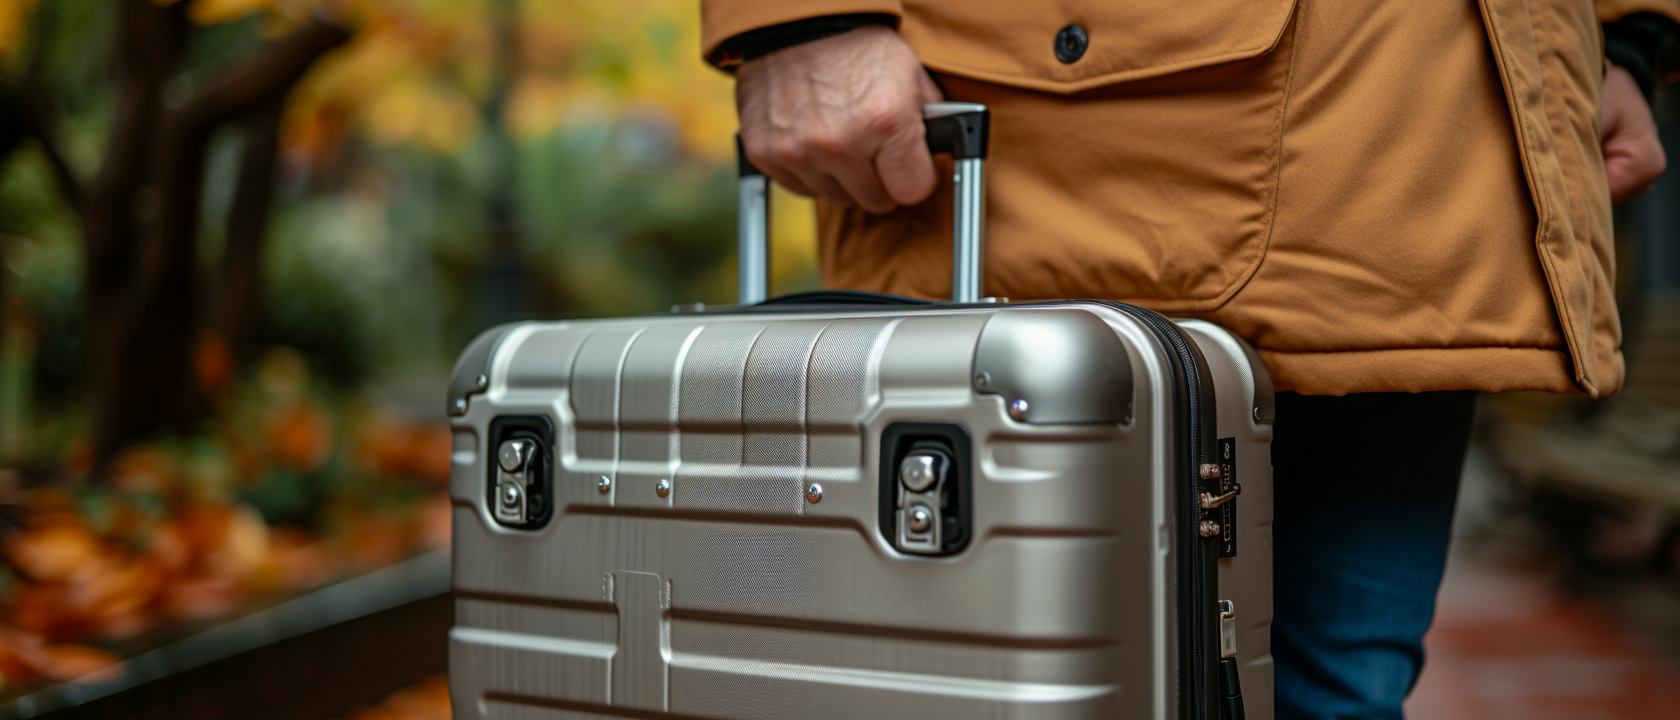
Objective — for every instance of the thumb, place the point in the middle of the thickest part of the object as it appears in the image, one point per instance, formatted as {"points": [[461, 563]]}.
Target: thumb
{"points": [[929, 91], [904, 163]]}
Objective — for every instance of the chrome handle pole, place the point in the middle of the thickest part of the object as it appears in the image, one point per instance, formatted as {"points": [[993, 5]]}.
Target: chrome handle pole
{"points": [[753, 240], [968, 242]]}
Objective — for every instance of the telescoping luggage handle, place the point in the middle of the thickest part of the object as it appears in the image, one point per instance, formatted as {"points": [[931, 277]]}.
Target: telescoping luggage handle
{"points": [[957, 128]]}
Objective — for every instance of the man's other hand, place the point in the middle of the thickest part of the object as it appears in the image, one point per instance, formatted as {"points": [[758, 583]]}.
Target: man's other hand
{"points": [[1633, 156], [841, 118]]}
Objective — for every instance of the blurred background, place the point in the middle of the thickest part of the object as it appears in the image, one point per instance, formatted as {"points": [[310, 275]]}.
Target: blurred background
{"points": [[241, 242]]}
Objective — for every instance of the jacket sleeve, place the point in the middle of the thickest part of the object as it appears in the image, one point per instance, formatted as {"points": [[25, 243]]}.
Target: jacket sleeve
{"points": [[724, 19], [1613, 10]]}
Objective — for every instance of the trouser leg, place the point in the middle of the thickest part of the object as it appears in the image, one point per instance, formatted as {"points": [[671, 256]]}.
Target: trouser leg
{"points": [[1365, 488]]}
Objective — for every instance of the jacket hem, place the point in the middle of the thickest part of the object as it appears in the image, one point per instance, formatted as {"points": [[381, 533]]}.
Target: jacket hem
{"points": [[1487, 369]]}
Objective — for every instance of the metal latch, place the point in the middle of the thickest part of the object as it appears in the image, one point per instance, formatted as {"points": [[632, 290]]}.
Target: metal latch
{"points": [[513, 481], [921, 483]]}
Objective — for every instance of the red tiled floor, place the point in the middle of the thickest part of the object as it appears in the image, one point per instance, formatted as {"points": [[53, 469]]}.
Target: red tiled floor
{"points": [[1507, 644]]}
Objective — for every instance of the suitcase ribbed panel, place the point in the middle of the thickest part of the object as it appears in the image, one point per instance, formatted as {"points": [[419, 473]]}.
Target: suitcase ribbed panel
{"points": [[842, 386], [646, 413], [773, 421], [594, 393], [709, 406], [544, 360], [735, 597]]}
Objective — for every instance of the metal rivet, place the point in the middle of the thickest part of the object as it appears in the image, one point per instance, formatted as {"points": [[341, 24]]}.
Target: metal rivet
{"points": [[510, 495], [663, 488], [604, 484], [982, 380], [1210, 528], [482, 382], [1257, 413], [1209, 471], [1018, 409], [460, 405], [814, 493], [921, 518]]}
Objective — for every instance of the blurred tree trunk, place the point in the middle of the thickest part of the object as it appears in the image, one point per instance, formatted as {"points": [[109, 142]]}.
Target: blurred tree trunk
{"points": [[504, 269], [140, 214], [239, 280]]}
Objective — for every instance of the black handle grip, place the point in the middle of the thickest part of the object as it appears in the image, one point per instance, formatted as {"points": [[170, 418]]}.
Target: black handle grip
{"points": [[963, 135]]}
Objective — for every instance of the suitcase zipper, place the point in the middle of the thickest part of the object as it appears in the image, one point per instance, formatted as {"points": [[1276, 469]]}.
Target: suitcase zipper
{"points": [[1200, 581]]}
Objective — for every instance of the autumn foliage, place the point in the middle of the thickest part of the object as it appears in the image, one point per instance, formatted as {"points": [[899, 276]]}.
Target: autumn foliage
{"points": [[175, 537]]}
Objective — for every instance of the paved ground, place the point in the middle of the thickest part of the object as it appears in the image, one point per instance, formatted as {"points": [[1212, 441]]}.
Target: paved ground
{"points": [[1508, 643]]}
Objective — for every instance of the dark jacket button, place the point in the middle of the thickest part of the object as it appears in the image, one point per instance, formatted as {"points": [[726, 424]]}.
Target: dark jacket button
{"points": [[1071, 43]]}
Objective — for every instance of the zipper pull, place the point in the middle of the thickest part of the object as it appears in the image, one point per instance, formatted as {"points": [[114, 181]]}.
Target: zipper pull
{"points": [[1230, 686]]}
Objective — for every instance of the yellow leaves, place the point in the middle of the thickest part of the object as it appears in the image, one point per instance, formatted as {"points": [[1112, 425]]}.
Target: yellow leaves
{"points": [[419, 72], [407, 77], [14, 17], [416, 113]]}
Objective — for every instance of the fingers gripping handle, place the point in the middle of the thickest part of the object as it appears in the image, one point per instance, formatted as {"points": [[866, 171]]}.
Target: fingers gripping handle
{"points": [[959, 129]]}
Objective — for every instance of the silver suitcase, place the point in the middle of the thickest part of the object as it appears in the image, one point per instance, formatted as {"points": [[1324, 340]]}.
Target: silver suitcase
{"points": [[837, 507]]}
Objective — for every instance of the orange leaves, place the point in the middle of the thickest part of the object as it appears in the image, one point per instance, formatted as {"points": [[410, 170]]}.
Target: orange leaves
{"points": [[301, 438], [53, 553], [175, 532], [25, 657], [395, 448], [427, 701], [297, 433], [14, 15], [80, 585], [212, 363]]}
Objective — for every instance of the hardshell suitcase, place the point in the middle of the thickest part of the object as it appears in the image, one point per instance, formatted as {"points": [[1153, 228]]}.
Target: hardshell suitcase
{"points": [[847, 507]]}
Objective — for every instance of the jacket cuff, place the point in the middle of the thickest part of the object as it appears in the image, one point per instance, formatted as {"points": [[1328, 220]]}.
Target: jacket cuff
{"points": [[722, 20], [754, 44], [1647, 45]]}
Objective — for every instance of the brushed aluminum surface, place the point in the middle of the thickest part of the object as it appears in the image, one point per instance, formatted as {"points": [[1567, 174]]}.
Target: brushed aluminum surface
{"points": [[738, 597]]}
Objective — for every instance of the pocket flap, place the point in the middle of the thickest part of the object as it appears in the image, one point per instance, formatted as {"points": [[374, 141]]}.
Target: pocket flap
{"points": [[1013, 42]]}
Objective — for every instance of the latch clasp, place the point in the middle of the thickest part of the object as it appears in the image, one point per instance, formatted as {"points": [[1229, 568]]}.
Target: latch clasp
{"points": [[1210, 502]]}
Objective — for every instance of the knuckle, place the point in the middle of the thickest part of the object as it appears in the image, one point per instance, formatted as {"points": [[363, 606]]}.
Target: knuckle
{"points": [[884, 117], [830, 143], [788, 150], [759, 152]]}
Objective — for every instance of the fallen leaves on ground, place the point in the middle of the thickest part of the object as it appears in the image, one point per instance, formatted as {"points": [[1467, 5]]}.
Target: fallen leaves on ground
{"points": [[294, 487], [428, 700]]}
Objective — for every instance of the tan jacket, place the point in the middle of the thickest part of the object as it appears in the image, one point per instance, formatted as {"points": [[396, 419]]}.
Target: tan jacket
{"points": [[1380, 195]]}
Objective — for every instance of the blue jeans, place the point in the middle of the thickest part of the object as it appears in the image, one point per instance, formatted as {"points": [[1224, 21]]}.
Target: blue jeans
{"points": [[1365, 487]]}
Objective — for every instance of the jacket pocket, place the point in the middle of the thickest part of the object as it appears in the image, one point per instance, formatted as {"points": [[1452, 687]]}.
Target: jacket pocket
{"points": [[1015, 43]]}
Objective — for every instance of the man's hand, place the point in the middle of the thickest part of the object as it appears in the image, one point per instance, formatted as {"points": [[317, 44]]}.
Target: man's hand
{"points": [[1633, 156], [841, 118]]}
